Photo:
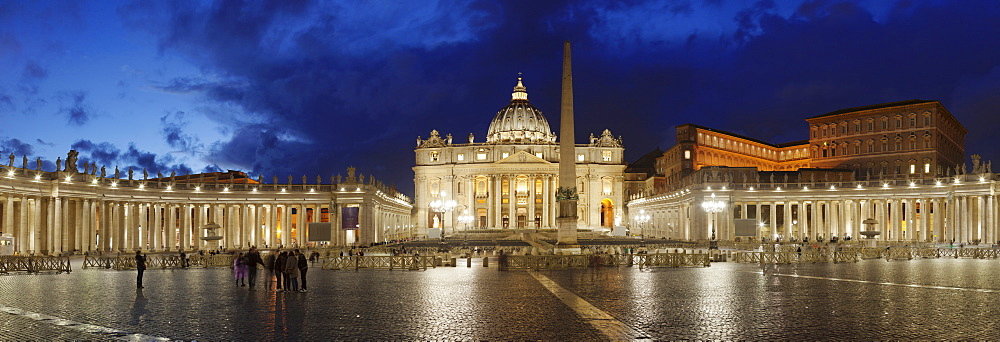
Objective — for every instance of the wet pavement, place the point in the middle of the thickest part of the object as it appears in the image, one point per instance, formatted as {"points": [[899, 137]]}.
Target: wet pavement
{"points": [[939, 299]]}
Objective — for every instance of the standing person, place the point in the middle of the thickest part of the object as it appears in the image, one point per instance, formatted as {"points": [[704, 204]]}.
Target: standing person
{"points": [[292, 273], [240, 269], [253, 259], [303, 267], [140, 264], [268, 271], [279, 269]]}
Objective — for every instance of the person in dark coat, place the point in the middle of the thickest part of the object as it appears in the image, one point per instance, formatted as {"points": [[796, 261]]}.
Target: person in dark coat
{"points": [[303, 267], [140, 264], [292, 273], [279, 270], [253, 259], [269, 262]]}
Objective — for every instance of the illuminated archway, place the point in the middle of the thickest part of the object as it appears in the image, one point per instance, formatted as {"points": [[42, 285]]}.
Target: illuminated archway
{"points": [[607, 213]]}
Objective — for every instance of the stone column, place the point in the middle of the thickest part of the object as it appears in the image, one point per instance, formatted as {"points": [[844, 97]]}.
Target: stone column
{"points": [[272, 225], [302, 227], [497, 197], [530, 216], [255, 236], [57, 226], [512, 201], [547, 197], [912, 224], [925, 218]]}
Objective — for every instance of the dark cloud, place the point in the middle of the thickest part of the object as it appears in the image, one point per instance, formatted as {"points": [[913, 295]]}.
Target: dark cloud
{"points": [[15, 146], [77, 112], [173, 125], [44, 143], [304, 87], [33, 71], [108, 155]]}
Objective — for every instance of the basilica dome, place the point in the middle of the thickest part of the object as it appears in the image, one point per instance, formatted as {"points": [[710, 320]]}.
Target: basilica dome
{"points": [[519, 122]]}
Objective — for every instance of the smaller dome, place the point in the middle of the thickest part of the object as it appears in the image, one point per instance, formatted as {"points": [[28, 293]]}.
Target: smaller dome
{"points": [[519, 122]]}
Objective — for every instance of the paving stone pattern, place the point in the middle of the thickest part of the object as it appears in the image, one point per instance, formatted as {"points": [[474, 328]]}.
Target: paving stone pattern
{"points": [[726, 301]]}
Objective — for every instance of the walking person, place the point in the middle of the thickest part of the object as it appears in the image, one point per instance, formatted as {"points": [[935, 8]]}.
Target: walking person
{"points": [[140, 264], [240, 269], [269, 271], [292, 273], [253, 259], [303, 267], [279, 270]]}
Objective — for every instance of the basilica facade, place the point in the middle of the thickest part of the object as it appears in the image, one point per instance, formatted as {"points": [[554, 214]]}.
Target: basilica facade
{"points": [[509, 180]]}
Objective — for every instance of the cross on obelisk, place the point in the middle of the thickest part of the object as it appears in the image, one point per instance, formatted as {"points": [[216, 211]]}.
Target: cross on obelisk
{"points": [[566, 195]]}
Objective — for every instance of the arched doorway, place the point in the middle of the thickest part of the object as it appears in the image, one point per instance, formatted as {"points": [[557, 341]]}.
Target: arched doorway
{"points": [[607, 213]]}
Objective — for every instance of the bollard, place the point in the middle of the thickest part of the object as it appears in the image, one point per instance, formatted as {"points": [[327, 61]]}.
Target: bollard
{"points": [[486, 261], [468, 262]]}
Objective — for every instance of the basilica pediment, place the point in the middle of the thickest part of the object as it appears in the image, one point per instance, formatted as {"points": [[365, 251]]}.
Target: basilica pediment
{"points": [[523, 157]]}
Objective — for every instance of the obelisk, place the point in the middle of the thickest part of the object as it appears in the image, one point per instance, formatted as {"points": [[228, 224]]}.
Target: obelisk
{"points": [[566, 194]]}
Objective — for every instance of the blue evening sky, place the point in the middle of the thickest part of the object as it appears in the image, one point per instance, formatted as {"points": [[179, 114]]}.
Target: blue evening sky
{"points": [[312, 87]]}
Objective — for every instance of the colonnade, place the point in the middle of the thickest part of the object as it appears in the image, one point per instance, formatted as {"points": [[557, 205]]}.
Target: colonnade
{"points": [[929, 211]]}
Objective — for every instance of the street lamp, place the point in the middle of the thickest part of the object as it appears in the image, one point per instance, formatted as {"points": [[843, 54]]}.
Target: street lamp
{"points": [[642, 218], [443, 206], [465, 218], [713, 206]]}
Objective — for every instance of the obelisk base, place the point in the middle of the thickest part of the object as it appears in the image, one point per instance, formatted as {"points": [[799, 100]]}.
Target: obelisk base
{"points": [[566, 241]]}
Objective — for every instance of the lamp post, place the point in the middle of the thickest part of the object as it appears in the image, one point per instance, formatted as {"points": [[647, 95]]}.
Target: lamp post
{"points": [[465, 219], [713, 206], [641, 219], [443, 206]]}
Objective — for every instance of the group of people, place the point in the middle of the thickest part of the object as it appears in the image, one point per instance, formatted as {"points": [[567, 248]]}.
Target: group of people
{"points": [[285, 267]]}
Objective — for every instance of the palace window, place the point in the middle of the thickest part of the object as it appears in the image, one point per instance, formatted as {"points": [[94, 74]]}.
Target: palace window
{"points": [[538, 187], [913, 122], [505, 155], [871, 126], [899, 123], [481, 154], [435, 156], [687, 154], [606, 186], [505, 187], [927, 120], [857, 127], [913, 168], [857, 148], [899, 146], [884, 124], [927, 167], [606, 156], [461, 156], [579, 157], [538, 154]]}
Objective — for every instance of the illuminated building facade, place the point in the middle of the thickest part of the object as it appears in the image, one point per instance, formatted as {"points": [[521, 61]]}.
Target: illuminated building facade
{"points": [[66, 210], [899, 163], [510, 179]]}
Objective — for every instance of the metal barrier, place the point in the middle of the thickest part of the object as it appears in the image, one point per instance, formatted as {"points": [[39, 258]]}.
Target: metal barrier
{"points": [[854, 254], [153, 261], [34, 264], [403, 262], [551, 262]]}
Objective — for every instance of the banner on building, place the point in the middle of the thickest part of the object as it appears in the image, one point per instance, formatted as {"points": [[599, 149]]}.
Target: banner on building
{"points": [[320, 231], [746, 227], [349, 218]]}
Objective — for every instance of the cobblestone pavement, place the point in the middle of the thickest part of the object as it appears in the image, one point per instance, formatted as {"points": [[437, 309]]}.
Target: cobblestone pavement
{"points": [[939, 299]]}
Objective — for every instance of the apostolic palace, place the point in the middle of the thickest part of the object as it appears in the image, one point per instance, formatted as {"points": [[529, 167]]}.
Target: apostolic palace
{"points": [[892, 171]]}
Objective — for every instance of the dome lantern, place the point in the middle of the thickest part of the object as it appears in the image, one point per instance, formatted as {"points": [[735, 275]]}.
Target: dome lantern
{"points": [[519, 122]]}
